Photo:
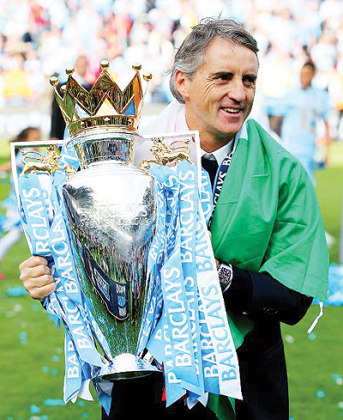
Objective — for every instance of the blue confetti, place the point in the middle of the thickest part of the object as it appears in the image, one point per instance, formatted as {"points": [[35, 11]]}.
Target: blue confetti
{"points": [[16, 291], [320, 394], [335, 295], [312, 336], [85, 415], [23, 337], [51, 402], [55, 372], [34, 409], [81, 403], [45, 369], [55, 358], [340, 405], [44, 417]]}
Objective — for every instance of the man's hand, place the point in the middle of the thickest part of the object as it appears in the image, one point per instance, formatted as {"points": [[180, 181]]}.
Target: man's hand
{"points": [[37, 277], [217, 261]]}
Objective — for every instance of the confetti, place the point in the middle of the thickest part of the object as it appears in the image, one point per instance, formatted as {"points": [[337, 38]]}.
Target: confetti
{"points": [[312, 336], [289, 339], [16, 291], [23, 337], [34, 409], [320, 394], [51, 402]]}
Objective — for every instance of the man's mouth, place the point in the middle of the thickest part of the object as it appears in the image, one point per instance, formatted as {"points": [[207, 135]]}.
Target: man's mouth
{"points": [[232, 110]]}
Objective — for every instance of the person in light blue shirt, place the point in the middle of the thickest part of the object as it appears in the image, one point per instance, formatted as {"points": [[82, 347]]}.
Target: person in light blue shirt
{"points": [[301, 109]]}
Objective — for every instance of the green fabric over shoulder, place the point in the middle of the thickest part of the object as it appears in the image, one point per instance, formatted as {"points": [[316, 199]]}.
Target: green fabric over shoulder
{"points": [[268, 220]]}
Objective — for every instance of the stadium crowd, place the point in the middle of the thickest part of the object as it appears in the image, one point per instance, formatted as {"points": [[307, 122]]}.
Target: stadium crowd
{"points": [[40, 38]]}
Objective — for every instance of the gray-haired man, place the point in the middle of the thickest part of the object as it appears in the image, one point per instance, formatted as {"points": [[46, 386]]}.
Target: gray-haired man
{"points": [[267, 232]]}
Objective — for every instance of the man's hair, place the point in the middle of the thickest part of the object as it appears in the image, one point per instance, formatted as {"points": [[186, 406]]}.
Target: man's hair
{"points": [[310, 64], [24, 134], [191, 54]]}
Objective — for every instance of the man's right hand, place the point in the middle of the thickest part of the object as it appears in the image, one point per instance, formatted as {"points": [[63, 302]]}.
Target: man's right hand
{"points": [[37, 277]]}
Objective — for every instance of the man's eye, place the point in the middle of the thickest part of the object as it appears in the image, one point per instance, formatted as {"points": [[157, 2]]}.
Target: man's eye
{"points": [[223, 77], [250, 81]]}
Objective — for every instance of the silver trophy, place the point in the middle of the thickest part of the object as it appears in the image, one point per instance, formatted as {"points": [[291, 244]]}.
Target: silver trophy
{"points": [[111, 207], [111, 211]]}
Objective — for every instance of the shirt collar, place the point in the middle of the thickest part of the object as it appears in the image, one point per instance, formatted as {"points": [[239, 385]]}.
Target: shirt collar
{"points": [[221, 153]]}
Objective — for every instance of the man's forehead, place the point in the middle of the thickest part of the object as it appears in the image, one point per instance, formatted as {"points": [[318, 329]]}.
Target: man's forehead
{"points": [[226, 61], [223, 48]]}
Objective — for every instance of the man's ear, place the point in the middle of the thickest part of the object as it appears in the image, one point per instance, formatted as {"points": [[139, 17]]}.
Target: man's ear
{"points": [[181, 83]]}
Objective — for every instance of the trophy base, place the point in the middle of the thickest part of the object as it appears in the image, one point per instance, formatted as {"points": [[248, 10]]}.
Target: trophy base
{"points": [[126, 366]]}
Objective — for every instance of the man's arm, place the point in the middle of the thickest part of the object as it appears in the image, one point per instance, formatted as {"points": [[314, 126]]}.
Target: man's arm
{"points": [[259, 295]]}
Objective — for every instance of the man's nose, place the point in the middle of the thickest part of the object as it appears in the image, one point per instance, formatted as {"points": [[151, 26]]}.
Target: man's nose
{"points": [[236, 90]]}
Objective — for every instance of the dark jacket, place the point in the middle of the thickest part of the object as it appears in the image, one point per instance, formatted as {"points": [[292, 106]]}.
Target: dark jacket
{"points": [[261, 357]]}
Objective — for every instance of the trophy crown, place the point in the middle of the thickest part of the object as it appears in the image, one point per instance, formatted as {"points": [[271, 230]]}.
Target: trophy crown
{"points": [[105, 105]]}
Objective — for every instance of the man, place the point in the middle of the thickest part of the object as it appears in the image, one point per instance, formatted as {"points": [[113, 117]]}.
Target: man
{"points": [[301, 110], [57, 121], [267, 232]]}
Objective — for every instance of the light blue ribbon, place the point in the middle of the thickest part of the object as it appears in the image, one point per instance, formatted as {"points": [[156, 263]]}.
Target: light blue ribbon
{"points": [[44, 222]]}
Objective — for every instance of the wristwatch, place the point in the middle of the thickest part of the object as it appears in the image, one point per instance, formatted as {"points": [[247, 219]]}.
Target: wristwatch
{"points": [[225, 274]]}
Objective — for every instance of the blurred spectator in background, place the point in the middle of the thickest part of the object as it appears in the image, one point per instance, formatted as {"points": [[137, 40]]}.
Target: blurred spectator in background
{"points": [[275, 80], [16, 87], [301, 108], [10, 223], [57, 121], [51, 35], [336, 92]]}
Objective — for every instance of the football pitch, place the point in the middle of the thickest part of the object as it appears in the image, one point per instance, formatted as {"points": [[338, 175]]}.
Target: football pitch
{"points": [[32, 355]]}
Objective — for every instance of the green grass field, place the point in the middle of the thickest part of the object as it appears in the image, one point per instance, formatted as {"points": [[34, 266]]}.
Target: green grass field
{"points": [[32, 365]]}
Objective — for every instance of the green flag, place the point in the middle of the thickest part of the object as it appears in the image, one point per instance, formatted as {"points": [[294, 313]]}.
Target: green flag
{"points": [[267, 220]]}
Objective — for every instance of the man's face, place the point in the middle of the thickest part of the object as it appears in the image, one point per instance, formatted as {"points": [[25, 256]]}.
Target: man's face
{"points": [[81, 66], [221, 94], [306, 76], [34, 135]]}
